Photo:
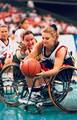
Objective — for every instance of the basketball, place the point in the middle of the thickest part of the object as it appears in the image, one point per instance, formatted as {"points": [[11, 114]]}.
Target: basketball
{"points": [[30, 67], [1, 65]]}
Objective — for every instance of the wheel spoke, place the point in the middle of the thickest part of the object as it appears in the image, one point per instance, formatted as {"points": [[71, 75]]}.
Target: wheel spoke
{"points": [[13, 84], [63, 89]]}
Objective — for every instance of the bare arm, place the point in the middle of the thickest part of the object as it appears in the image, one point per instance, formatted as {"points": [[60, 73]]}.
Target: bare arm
{"points": [[36, 50], [57, 63]]}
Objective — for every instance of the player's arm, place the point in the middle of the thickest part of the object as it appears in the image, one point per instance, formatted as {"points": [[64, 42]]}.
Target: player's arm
{"points": [[36, 50], [59, 59]]}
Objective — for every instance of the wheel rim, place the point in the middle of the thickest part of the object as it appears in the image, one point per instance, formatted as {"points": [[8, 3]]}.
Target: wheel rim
{"points": [[12, 85], [68, 89]]}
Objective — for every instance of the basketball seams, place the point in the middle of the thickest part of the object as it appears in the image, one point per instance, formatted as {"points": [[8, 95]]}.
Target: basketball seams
{"points": [[21, 68], [30, 67], [29, 70], [34, 70]]}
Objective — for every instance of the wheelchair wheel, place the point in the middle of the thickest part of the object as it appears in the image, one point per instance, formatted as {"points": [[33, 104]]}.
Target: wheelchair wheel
{"points": [[12, 85], [63, 89]]}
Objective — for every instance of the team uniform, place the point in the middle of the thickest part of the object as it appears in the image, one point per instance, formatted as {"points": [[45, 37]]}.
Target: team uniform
{"points": [[48, 61], [17, 57], [6, 50]]}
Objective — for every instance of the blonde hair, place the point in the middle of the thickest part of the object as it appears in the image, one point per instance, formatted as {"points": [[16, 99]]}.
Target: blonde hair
{"points": [[51, 28], [47, 30]]}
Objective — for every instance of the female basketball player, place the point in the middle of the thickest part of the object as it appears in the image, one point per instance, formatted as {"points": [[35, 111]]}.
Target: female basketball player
{"points": [[53, 53], [25, 46], [6, 45]]}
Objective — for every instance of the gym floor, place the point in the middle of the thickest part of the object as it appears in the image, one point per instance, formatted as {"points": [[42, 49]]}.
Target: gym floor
{"points": [[52, 113]]}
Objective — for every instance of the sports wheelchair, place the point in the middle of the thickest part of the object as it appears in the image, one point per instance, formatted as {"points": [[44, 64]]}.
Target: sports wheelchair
{"points": [[60, 90]]}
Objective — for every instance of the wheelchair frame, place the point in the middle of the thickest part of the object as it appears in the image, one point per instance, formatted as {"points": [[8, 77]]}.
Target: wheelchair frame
{"points": [[54, 84]]}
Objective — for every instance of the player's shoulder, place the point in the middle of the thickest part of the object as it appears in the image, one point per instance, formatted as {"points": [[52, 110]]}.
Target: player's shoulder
{"points": [[1, 42]]}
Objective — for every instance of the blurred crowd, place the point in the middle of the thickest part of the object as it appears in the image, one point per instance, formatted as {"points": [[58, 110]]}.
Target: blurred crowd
{"points": [[13, 17], [14, 22]]}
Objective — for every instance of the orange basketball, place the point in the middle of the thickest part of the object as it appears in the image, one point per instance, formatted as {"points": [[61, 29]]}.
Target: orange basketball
{"points": [[30, 67], [1, 65]]}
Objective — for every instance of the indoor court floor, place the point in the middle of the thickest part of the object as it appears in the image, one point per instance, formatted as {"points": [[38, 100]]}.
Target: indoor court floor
{"points": [[52, 113]]}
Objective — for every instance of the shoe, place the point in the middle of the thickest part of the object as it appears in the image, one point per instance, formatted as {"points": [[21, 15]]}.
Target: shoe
{"points": [[25, 101], [36, 98], [22, 101]]}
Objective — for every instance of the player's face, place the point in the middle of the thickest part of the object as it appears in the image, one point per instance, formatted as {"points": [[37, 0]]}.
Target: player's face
{"points": [[3, 33], [29, 41], [49, 39]]}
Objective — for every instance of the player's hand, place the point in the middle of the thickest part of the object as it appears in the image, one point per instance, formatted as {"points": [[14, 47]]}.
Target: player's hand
{"points": [[41, 74], [22, 46], [8, 61]]}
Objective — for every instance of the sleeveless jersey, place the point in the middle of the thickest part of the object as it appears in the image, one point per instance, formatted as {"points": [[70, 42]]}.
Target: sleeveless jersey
{"points": [[51, 57], [5, 49]]}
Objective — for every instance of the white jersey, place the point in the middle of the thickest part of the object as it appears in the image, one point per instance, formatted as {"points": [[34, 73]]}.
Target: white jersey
{"points": [[6, 50], [53, 54]]}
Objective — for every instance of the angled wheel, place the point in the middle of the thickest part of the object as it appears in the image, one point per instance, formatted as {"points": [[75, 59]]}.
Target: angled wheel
{"points": [[12, 85], [63, 89], [39, 98]]}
